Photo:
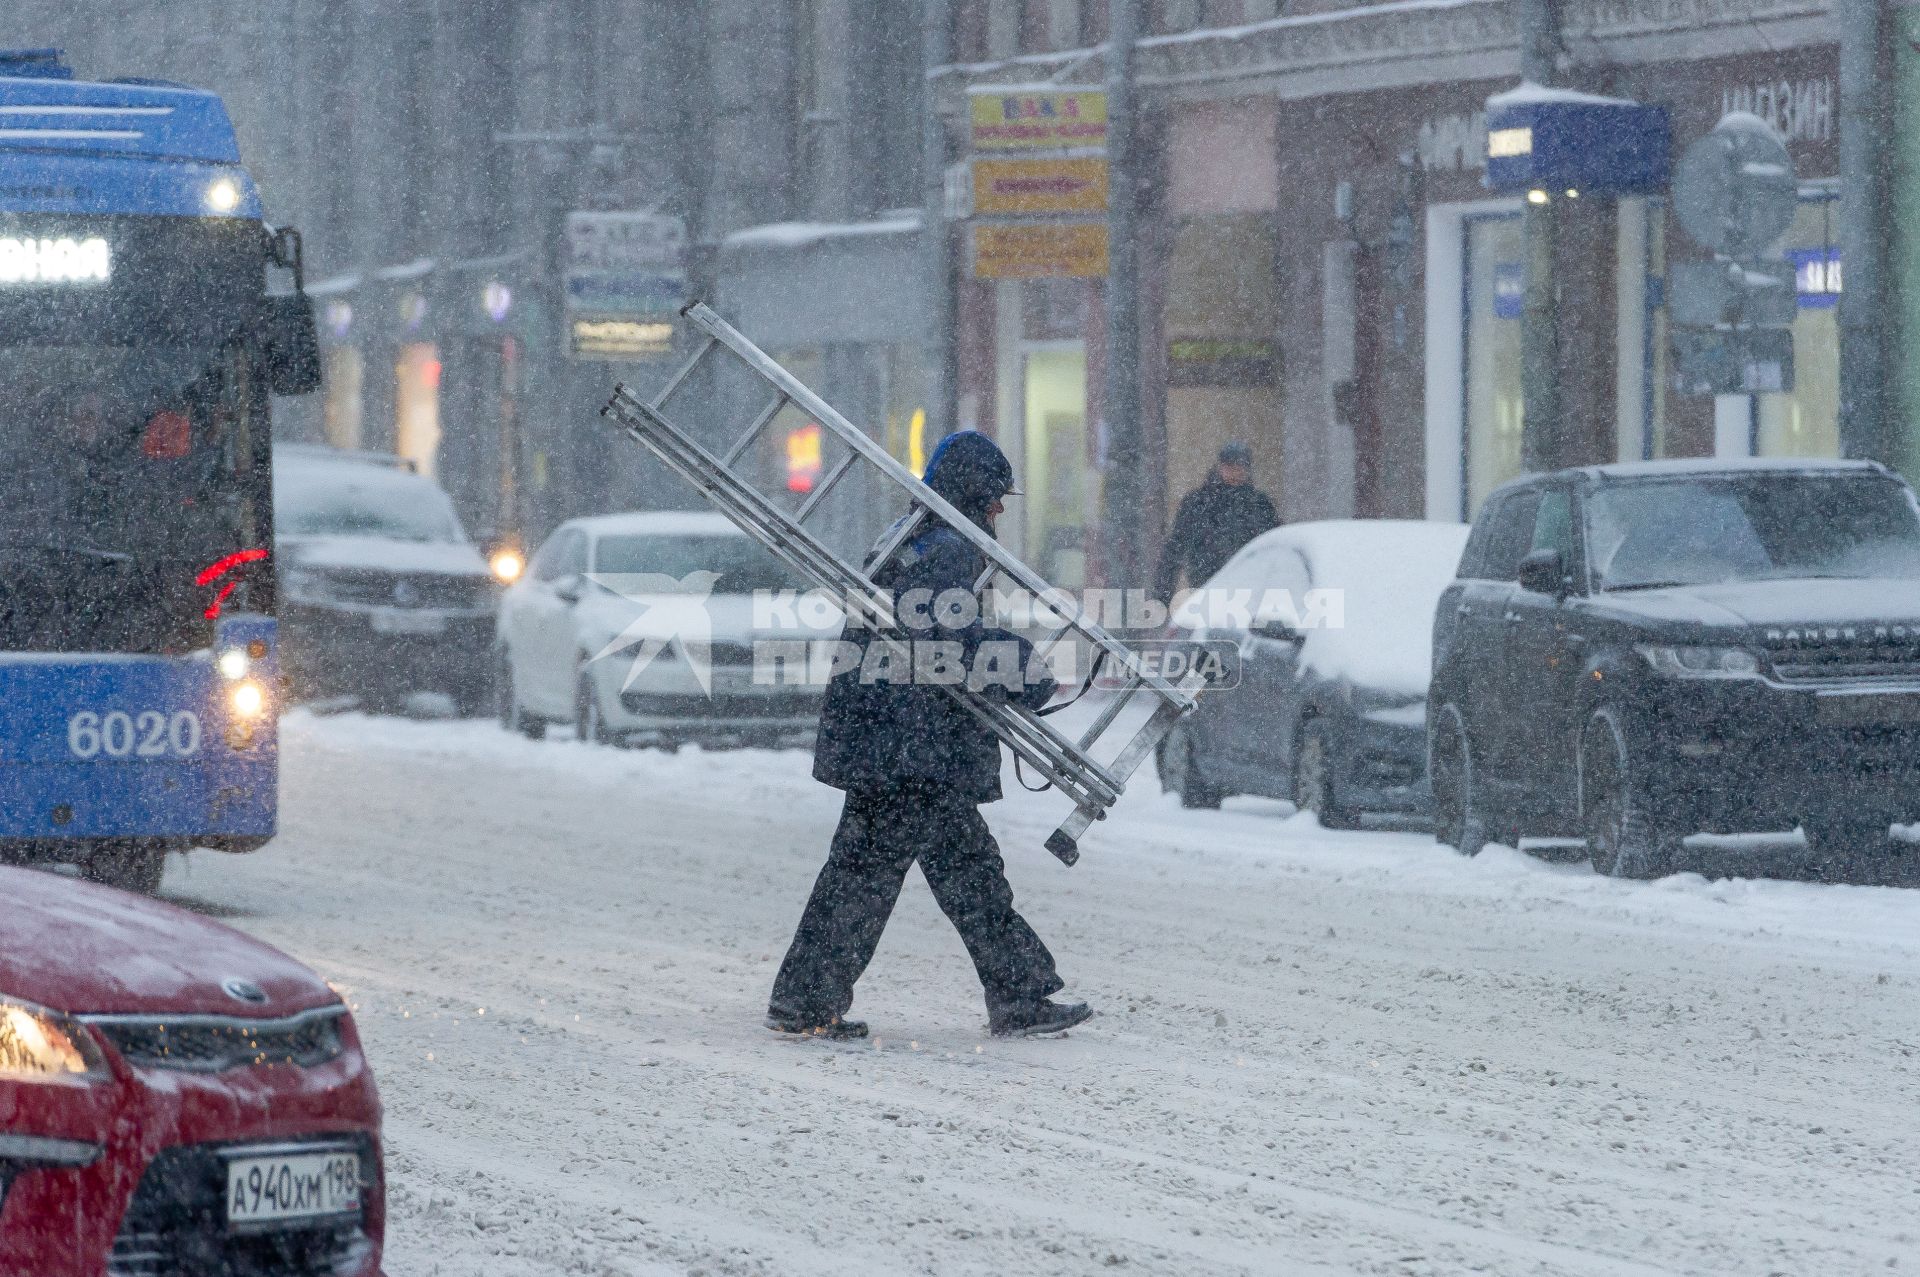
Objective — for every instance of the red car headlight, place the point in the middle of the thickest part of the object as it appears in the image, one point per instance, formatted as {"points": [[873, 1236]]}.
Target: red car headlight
{"points": [[37, 1045]]}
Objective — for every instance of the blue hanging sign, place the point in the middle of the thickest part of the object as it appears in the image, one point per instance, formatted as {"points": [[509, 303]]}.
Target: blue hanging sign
{"points": [[1557, 140]]}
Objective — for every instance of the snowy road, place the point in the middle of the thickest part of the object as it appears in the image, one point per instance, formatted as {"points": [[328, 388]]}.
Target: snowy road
{"points": [[1316, 1053]]}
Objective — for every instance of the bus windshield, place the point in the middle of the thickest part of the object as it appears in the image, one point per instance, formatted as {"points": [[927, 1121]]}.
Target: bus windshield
{"points": [[111, 447], [133, 437]]}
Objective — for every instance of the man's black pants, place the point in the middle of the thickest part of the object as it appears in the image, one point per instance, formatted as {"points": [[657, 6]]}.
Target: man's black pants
{"points": [[880, 835]]}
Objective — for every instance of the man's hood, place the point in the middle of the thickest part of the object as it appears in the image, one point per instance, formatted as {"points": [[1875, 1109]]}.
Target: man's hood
{"points": [[971, 472]]}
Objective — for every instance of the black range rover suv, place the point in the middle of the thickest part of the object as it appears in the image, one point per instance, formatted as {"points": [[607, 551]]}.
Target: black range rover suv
{"points": [[1636, 653]]}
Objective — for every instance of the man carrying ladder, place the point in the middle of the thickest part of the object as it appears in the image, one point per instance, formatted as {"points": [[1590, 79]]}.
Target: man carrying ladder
{"points": [[915, 767]]}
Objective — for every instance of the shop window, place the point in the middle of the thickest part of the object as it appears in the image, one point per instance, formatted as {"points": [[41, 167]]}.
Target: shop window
{"points": [[1222, 324], [1495, 274], [906, 400], [1057, 478], [417, 401], [1803, 422], [342, 414], [1806, 421]]}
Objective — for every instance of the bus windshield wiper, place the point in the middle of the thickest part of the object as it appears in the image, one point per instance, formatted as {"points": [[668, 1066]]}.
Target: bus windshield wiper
{"points": [[1645, 585]]}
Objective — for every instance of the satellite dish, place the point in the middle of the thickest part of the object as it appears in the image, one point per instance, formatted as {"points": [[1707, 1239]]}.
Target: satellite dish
{"points": [[1734, 190]]}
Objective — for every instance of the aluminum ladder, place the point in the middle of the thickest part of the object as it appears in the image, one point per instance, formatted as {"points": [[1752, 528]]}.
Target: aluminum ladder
{"points": [[1068, 762]]}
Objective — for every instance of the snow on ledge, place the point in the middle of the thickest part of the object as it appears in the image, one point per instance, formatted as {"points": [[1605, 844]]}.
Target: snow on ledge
{"points": [[1530, 94], [779, 235]]}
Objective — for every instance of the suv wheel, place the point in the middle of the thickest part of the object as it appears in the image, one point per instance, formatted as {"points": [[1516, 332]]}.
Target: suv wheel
{"points": [[1458, 820], [512, 716], [1625, 839], [1180, 771], [589, 724], [1313, 779]]}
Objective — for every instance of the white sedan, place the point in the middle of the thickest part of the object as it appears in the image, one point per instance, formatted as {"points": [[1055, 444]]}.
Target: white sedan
{"points": [[661, 627]]}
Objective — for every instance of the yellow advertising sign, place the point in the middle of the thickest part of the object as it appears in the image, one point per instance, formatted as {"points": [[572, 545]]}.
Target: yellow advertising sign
{"points": [[1036, 120], [1039, 250], [1025, 187]]}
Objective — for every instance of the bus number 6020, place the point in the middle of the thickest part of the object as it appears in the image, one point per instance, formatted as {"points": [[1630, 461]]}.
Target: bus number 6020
{"points": [[147, 734]]}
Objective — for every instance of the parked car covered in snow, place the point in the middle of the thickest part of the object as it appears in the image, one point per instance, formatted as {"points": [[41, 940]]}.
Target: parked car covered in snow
{"points": [[381, 593], [1330, 707], [642, 626], [1636, 653], [179, 1098]]}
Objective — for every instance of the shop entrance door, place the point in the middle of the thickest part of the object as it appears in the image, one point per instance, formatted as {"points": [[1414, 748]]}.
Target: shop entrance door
{"points": [[1494, 271]]}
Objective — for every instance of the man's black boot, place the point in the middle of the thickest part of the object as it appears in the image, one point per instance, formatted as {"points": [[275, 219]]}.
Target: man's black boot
{"points": [[832, 1027], [1044, 1015]]}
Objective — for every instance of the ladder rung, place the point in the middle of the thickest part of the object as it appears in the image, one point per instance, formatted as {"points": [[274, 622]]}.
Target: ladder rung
{"points": [[819, 494], [685, 371], [745, 441]]}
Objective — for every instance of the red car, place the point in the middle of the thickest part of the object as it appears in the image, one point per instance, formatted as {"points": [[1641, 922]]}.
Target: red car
{"points": [[175, 1098]]}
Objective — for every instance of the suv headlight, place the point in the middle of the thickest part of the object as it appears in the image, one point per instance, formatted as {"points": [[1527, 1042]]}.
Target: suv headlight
{"points": [[1700, 661], [37, 1045]]}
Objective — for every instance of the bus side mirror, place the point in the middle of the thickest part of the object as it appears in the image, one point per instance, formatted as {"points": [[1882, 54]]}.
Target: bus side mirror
{"points": [[292, 345]]}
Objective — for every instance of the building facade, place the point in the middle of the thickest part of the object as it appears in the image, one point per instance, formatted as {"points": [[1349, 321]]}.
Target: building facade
{"points": [[1327, 275]]}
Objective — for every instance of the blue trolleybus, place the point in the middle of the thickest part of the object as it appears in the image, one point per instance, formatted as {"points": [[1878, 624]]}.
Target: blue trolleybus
{"points": [[139, 344]]}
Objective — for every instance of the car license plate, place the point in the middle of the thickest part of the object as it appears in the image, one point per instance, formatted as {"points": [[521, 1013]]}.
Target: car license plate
{"points": [[1867, 710], [286, 1186], [394, 620]]}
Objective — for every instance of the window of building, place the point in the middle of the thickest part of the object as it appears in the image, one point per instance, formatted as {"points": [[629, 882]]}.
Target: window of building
{"points": [[1495, 275], [1003, 27], [1093, 23], [1168, 17], [970, 31], [1805, 422], [1802, 422]]}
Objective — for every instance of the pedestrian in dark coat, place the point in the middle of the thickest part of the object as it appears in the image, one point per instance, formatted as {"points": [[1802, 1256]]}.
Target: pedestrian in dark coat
{"points": [[1214, 521], [915, 766]]}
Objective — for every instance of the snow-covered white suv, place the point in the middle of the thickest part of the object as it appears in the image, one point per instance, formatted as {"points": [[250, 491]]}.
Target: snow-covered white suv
{"points": [[618, 617]]}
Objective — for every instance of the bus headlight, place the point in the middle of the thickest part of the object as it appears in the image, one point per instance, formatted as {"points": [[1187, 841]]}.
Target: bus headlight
{"points": [[223, 195], [248, 699], [234, 664]]}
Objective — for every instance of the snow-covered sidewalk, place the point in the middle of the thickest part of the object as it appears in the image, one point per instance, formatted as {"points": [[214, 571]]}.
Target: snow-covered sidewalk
{"points": [[1315, 1053]]}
